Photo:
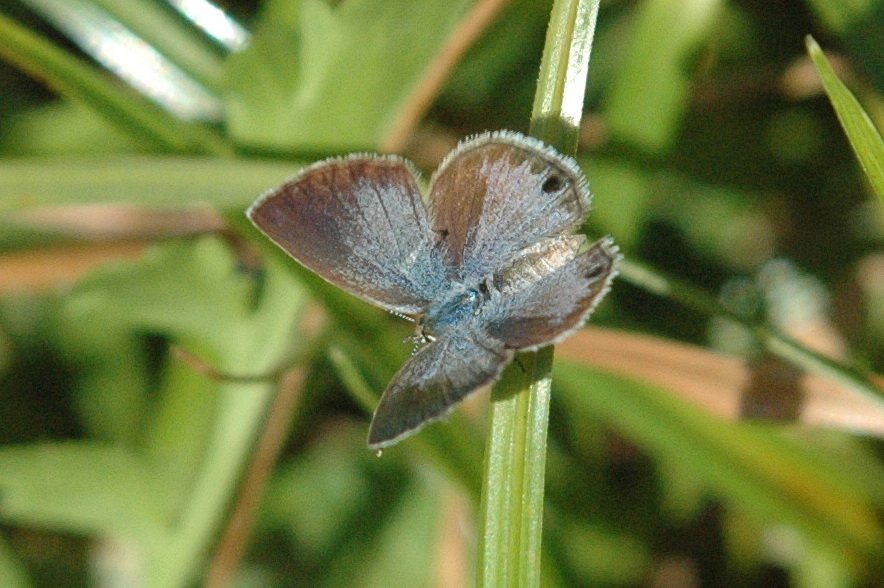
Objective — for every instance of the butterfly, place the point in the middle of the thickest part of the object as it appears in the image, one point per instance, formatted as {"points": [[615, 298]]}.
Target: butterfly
{"points": [[489, 265]]}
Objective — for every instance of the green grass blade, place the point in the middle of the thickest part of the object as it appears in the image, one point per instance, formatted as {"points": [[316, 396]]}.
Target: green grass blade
{"points": [[75, 79], [151, 181], [864, 137], [133, 56], [172, 37], [515, 461], [104, 489], [515, 464], [774, 472]]}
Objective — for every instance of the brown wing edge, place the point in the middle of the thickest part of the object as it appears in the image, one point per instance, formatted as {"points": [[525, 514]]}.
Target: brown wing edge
{"points": [[518, 140]]}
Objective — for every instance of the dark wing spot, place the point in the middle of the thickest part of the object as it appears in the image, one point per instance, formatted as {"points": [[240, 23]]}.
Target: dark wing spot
{"points": [[596, 271], [552, 184]]}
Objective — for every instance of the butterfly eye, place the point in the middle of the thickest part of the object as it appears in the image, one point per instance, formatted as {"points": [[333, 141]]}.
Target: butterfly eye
{"points": [[552, 184]]}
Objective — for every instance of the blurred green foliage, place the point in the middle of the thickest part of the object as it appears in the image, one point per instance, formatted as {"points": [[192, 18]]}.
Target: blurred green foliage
{"points": [[712, 153]]}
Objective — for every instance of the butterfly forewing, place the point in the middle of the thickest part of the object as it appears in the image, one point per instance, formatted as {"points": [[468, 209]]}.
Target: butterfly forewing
{"points": [[500, 193], [361, 224]]}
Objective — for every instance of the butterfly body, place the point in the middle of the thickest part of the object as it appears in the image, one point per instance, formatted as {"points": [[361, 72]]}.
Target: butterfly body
{"points": [[489, 266], [452, 312]]}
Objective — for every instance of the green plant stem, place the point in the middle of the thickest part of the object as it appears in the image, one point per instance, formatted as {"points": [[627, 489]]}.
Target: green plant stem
{"points": [[515, 463], [515, 458], [561, 84]]}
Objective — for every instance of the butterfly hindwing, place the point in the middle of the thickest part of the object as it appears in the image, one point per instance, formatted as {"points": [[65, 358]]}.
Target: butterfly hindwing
{"points": [[530, 313], [436, 378]]}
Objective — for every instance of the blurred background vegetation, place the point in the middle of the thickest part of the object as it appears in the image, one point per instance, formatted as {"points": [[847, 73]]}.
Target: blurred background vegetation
{"points": [[133, 134]]}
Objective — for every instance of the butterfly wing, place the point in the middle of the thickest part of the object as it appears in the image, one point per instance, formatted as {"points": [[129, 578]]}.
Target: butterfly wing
{"points": [[549, 292], [360, 223], [501, 192], [435, 379]]}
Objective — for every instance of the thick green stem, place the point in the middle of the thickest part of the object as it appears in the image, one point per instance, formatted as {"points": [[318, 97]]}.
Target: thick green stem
{"points": [[515, 459]]}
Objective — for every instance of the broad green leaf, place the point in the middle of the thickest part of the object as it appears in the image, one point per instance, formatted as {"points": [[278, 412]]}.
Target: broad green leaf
{"points": [[193, 294], [12, 572], [360, 520], [260, 343], [864, 137], [650, 92], [203, 430], [112, 378], [333, 77], [184, 290], [82, 487]]}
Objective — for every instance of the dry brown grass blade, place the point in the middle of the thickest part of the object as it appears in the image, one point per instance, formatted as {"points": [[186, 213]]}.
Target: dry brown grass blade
{"points": [[235, 537], [46, 269], [110, 222], [99, 234], [452, 563], [727, 386]]}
